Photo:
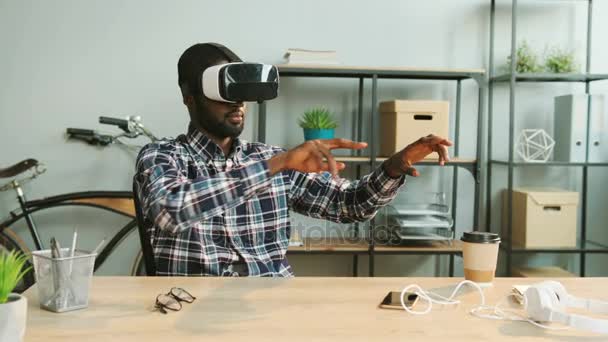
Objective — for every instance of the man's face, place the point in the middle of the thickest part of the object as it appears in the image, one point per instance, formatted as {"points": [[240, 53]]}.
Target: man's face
{"points": [[221, 119]]}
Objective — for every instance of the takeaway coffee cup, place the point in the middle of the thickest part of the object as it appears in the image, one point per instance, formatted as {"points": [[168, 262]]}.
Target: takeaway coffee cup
{"points": [[480, 253]]}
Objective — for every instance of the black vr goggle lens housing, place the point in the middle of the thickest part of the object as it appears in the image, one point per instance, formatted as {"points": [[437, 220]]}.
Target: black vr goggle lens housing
{"points": [[241, 82]]}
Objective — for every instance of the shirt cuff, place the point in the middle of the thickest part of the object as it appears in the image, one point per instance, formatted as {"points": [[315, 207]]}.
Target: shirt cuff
{"points": [[383, 183]]}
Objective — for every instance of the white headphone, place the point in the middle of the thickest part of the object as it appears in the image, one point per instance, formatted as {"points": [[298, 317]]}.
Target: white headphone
{"points": [[543, 302], [547, 302]]}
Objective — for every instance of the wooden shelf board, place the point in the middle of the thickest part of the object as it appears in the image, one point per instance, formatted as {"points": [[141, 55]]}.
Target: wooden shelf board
{"points": [[347, 159], [433, 246], [329, 245]]}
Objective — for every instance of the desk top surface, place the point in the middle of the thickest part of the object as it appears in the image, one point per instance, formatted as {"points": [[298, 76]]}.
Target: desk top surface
{"points": [[298, 309]]}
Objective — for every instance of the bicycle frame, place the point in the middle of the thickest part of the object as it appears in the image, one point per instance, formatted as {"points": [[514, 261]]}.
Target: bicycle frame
{"points": [[119, 202]]}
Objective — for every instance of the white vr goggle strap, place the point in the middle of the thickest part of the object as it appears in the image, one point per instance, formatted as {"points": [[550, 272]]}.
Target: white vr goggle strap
{"points": [[241, 82]]}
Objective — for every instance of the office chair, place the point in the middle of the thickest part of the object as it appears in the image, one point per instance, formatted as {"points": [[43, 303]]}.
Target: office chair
{"points": [[144, 237]]}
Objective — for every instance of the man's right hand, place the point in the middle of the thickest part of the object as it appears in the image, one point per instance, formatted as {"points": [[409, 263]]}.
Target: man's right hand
{"points": [[309, 156]]}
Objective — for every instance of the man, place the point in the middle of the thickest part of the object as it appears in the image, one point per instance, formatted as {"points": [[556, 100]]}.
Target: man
{"points": [[218, 205]]}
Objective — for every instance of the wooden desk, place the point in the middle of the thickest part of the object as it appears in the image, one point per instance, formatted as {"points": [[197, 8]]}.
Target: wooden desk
{"points": [[300, 309]]}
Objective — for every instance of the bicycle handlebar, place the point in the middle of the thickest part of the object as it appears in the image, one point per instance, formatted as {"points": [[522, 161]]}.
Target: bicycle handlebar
{"points": [[89, 136], [80, 131], [131, 126], [120, 123]]}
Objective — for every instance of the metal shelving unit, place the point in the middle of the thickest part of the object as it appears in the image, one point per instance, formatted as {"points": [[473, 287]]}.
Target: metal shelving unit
{"points": [[372, 74], [549, 163], [550, 77], [584, 246]]}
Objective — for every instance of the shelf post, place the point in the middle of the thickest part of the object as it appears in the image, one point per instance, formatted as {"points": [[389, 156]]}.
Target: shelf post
{"points": [[480, 153], [456, 153], [359, 137], [451, 266], [372, 147], [589, 32], [511, 133], [490, 104], [262, 122], [585, 168]]}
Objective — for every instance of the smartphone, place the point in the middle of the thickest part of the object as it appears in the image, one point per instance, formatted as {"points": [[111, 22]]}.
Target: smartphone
{"points": [[393, 300]]}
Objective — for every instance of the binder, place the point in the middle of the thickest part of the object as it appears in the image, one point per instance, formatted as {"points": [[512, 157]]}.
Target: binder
{"points": [[570, 127], [598, 129]]}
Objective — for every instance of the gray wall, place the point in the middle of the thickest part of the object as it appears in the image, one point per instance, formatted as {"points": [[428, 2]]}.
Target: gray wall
{"points": [[64, 63]]}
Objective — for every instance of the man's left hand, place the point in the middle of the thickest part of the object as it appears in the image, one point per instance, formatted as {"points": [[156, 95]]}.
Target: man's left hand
{"points": [[402, 162]]}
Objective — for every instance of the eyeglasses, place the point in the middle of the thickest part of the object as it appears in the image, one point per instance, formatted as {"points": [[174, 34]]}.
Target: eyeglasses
{"points": [[173, 299]]}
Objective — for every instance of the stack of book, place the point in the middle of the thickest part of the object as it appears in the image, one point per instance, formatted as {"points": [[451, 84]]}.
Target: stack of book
{"points": [[302, 56]]}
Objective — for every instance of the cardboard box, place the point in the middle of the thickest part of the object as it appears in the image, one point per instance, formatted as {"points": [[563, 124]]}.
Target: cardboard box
{"points": [[542, 218], [404, 121], [541, 272]]}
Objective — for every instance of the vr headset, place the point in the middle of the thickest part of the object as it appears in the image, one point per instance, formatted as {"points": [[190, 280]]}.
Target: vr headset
{"points": [[241, 82], [548, 300]]}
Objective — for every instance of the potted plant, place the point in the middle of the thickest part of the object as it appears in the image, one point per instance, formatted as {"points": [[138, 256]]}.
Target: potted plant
{"points": [[318, 123], [13, 306], [560, 61], [526, 60]]}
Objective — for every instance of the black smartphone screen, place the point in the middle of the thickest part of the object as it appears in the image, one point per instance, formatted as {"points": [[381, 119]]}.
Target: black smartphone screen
{"points": [[393, 300]]}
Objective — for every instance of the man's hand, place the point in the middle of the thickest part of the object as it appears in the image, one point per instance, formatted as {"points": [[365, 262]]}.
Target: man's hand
{"points": [[309, 156], [401, 162]]}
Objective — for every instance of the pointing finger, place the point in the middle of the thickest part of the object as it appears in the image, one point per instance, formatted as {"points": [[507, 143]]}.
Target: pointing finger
{"points": [[343, 143]]}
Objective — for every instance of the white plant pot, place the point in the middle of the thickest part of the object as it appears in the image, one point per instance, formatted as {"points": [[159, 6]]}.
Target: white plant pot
{"points": [[13, 315]]}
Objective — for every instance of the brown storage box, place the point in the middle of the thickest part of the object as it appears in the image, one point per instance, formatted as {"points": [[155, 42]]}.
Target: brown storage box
{"points": [[404, 121], [541, 272], [542, 218]]}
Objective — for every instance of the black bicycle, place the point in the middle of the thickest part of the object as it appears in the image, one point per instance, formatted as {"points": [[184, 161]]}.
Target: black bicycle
{"points": [[118, 202]]}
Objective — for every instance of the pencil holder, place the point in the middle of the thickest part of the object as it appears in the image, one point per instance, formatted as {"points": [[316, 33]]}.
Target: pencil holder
{"points": [[63, 283]]}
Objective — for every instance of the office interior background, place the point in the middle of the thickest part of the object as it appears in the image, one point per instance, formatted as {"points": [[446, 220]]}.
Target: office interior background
{"points": [[65, 63]]}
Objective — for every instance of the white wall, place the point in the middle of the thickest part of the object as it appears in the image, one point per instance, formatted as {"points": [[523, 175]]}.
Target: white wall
{"points": [[64, 63]]}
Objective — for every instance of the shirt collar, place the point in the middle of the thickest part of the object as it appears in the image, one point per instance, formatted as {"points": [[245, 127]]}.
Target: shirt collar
{"points": [[207, 148]]}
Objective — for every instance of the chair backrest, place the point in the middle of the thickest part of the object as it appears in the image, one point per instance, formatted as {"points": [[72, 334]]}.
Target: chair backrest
{"points": [[144, 237]]}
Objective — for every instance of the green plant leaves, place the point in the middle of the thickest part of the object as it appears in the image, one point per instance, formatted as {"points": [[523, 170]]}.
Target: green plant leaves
{"points": [[526, 60], [11, 272], [560, 61], [556, 61], [318, 118]]}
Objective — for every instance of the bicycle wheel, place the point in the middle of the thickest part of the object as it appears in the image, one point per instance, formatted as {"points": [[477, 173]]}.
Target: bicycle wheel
{"points": [[117, 202], [139, 266], [10, 242]]}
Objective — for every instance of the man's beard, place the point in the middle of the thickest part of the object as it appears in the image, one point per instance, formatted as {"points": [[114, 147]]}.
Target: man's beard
{"points": [[218, 128]]}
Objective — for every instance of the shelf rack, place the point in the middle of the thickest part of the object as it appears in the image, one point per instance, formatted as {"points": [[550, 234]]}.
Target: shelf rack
{"points": [[513, 78], [368, 245]]}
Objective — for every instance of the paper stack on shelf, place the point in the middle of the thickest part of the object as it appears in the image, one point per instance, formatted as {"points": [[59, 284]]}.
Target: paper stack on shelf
{"points": [[421, 222], [303, 56]]}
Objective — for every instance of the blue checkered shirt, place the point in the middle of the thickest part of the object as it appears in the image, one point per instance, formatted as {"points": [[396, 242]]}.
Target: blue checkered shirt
{"points": [[206, 212]]}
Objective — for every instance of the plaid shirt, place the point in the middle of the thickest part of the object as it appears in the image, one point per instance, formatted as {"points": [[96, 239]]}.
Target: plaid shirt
{"points": [[207, 213]]}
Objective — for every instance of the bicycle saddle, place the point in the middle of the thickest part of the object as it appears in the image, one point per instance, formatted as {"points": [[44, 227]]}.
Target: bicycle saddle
{"points": [[18, 168]]}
